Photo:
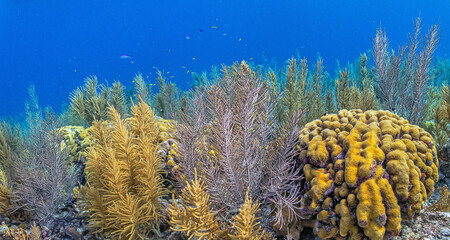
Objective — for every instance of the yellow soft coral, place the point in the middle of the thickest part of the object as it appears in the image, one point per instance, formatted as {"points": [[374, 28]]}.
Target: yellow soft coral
{"points": [[124, 176], [246, 225], [5, 194], [195, 217], [17, 233], [5, 165]]}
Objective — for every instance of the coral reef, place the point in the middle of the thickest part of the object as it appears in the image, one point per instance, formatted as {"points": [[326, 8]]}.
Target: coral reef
{"points": [[77, 140], [234, 149], [124, 176], [365, 172]]}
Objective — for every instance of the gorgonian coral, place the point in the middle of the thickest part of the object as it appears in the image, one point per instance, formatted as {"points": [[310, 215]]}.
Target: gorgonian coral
{"points": [[364, 172], [124, 176]]}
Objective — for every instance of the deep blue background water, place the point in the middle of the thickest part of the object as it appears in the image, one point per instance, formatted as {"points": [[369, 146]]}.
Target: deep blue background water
{"points": [[55, 44]]}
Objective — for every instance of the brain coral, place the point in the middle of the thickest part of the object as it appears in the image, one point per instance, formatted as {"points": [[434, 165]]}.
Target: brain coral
{"points": [[364, 172]]}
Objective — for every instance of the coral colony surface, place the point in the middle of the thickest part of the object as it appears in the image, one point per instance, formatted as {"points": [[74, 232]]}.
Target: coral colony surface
{"points": [[364, 172]]}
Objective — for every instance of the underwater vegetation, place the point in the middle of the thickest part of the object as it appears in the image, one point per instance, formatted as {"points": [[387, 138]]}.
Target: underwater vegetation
{"points": [[230, 137], [440, 125], [197, 219], [406, 73], [250, 152], [36, 175], [143, 90], [167, 101], [123, 174], [21, 234], [91, 101]]}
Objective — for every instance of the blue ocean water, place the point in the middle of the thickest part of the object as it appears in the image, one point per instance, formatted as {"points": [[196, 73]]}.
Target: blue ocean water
{"points": [[55, 44]]}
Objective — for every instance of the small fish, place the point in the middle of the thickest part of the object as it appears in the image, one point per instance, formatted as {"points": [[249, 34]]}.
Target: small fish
{"points": [[187, 37], [187, 71], [201, 30], [193, 58], [240, 39], [213, 26], [183, 66], [147, 76], [171, 76], [251, 58], [125, 57]]}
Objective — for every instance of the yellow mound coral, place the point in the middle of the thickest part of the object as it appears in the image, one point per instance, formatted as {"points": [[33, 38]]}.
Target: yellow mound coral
{"points": [[371, 169], [77, 139], [168, 145]]}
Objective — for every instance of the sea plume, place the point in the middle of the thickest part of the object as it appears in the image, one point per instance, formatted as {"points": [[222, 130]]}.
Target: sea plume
{"points": [[124, 182], [230, 133], [403, 77]]}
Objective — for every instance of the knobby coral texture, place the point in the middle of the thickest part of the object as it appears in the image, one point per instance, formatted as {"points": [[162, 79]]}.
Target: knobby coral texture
{"points": [[364, 173]]}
